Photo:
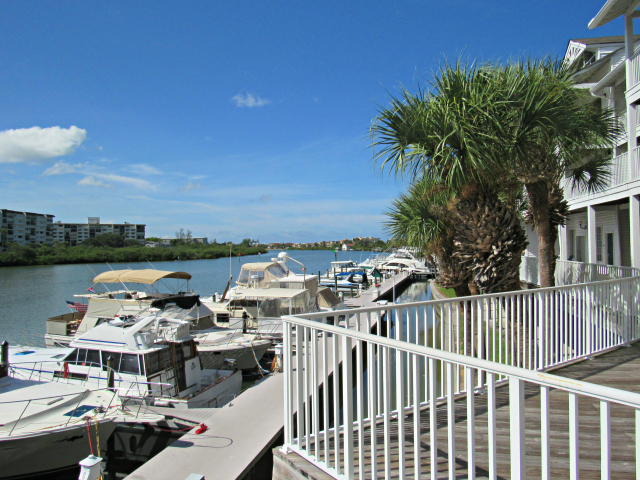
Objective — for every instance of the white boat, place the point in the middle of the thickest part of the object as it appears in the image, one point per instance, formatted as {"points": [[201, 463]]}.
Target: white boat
{"points": [[43, 427], [401, 259], [155, 360], [218, 345], [141, 290]]}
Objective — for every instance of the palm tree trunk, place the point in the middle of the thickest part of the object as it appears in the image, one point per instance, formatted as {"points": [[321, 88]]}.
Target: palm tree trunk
{"points": [[538, 193]]}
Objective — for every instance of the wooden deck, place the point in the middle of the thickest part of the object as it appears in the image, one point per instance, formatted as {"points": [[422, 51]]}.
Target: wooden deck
{"points": [[618, 369]]}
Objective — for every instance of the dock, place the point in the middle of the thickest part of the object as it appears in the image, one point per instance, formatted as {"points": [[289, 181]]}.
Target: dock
{"points": [[240, 435]]}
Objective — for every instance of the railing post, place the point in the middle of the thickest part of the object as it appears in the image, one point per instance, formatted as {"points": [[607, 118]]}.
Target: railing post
{"points": [[347, 406], [516, 411], [287, 369]]}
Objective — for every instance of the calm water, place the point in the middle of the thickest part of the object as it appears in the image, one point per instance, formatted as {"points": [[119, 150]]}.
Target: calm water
{"points": [[29, 295]]}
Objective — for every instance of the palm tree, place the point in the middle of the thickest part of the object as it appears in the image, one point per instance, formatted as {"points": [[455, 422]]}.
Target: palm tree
{"points": [[546, 130], [444, 139], [425, 218]]}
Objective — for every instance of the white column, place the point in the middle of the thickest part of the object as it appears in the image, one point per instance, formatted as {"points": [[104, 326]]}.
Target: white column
{"points": [[631, 109], [563, 237], [634, 220], [591, 223]]}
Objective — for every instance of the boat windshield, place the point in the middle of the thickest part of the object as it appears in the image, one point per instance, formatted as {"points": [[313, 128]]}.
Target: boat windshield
{"points": [[260, 275]]}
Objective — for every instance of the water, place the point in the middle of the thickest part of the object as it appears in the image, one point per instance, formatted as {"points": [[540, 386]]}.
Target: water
{"points": [[30, 295]]}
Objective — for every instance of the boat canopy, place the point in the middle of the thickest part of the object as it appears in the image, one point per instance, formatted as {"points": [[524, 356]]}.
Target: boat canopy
{"points": [[146, 276], [264, 273]]}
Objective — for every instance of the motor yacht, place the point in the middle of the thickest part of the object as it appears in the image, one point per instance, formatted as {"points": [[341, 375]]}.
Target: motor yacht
{"points": [[155, 360]]}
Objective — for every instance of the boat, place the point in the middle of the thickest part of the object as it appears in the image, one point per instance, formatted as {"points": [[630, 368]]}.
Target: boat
{"points": [[347, 280], [218, 345], [155, 360], [47, 427], [400, 259], [101, 307]]}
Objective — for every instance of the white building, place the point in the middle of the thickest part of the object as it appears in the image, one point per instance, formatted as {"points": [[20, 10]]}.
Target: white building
{"points": [[604, 227], [25, 227], [76, 233]]}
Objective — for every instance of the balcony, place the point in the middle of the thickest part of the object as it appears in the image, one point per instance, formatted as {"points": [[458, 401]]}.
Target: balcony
{"points": [[622, 174]]}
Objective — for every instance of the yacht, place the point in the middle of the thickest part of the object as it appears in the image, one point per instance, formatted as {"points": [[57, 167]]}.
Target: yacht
{"points": [[141, 290], [155, 360], [44, 425]]}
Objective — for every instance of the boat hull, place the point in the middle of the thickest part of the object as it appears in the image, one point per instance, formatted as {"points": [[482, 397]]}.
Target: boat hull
{"points": [[49, 451]]}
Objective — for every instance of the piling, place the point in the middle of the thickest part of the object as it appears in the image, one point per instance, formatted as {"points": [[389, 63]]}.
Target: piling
{"points": [[4, 359]]}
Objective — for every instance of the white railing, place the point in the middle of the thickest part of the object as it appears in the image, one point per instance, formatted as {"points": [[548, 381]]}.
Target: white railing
{"points": [[635, 175], [618, 175], [570, 272], [428, 352], [635, 70]]}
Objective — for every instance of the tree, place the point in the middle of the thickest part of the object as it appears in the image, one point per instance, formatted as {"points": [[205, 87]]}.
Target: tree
{"points": [[182, 237], [442, 137], [547, 129]]}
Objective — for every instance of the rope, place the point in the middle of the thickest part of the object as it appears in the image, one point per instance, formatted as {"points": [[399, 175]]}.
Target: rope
{"points": [[261, 370], [88, 421]]}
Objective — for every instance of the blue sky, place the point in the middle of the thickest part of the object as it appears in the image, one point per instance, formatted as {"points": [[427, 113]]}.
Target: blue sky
{"points": [[232, 119]]}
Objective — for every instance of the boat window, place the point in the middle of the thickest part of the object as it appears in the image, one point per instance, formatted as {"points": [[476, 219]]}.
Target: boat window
{"points": [[166, 360], [71, 358], [82, 354], [116, 358], [93, 358], [186, 347], [153, 363], [129, 364], [277, 271]]}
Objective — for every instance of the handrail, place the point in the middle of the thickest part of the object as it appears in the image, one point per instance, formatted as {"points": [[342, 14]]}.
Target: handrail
{"points": [[462, 299], [575, 386]]}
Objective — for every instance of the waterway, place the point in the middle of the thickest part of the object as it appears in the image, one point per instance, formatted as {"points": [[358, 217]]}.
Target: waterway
{"points": [[30, 295]]}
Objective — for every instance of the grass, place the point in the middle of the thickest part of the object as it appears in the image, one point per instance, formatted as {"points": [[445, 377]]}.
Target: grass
{"points": [[448, 292]]}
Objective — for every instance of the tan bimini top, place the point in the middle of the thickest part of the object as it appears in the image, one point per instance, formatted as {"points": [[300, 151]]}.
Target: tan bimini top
{"points": [[146, 276]]}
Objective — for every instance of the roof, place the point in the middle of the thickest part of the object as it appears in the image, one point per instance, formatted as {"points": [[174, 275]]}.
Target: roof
{"points": [[611, 10], [258, 266], [600, 40], [147, 276]]}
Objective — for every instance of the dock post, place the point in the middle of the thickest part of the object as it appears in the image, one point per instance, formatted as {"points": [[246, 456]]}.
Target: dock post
{"points": [[4, 359], [336, 282], [111, 363]]}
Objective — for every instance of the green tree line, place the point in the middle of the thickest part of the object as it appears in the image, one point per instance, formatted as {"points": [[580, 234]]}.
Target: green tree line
{"points": [[105, 248]]}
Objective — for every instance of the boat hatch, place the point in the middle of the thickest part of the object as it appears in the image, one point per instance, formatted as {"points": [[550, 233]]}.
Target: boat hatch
{"points": [[80, 411]]}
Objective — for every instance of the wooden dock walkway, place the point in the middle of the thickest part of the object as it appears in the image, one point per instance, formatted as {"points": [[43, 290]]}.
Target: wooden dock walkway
{"points": [[617, 369], [370, 296]]}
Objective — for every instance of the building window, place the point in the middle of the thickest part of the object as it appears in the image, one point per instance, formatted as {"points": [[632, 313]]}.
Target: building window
{"points": [[581, 243], [572, 245], [599, 244]]}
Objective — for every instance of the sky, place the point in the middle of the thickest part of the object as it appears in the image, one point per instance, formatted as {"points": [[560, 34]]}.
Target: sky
{"points": [[234, 119]]}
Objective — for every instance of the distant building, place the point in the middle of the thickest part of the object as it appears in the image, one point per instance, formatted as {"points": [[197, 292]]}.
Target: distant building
{"points": [[24, 228], [203, 240], [347, 246], [76, 233]]}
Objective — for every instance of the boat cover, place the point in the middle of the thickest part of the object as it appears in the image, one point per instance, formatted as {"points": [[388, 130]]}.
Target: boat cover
{"points": [[147, 276]]}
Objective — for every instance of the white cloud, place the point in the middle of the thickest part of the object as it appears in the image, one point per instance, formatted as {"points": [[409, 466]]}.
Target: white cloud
{"points": [[92, 182], [190, 186], [37, 144], [144, 169], [134, 182], [249, 100], [96, 179], [61, 167]]}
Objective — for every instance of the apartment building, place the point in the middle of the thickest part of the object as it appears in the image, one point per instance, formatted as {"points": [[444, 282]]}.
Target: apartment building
{"points": [[604, 227], [75, 233], [25, 227]]}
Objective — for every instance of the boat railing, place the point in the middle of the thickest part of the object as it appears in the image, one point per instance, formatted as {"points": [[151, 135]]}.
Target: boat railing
{"points": [[35, 370], [53, 399]]}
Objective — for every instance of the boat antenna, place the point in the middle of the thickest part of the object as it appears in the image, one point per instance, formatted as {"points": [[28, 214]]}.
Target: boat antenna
{"points": [[230, 246], [152, 265]]}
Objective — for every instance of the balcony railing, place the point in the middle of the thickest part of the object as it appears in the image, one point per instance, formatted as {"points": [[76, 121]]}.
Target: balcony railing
{"points": [[635, 70], [433, 353], [618, 175], [571, 273]]}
